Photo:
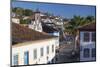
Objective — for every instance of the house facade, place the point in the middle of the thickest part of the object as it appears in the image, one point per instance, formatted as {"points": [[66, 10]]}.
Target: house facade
{"points": [[87, 42], [31, 47]]}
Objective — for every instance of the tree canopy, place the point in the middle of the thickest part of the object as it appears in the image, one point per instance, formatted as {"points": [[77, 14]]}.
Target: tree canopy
{"points": [[77, 21], [22, 12]]}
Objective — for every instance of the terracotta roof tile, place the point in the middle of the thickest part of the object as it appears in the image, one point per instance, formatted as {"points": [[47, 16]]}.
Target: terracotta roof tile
{"points": [[23, 34]]}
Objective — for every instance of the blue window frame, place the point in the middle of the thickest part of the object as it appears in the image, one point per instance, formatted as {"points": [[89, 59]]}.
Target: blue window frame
{"points": [[15, 59], [26, 58]]}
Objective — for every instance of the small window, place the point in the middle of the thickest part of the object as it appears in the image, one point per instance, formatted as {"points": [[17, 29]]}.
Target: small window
{"points": [[93, 37], [86, 37], [15, 59], [52, 48], [47, 49], [93, 52], [41, 50], [86, 53], [35, 54]]}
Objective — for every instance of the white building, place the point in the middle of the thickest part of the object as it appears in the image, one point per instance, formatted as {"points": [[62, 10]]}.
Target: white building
{"points": [[30, 47], [16, 20], [87, 42], [36, 22]]}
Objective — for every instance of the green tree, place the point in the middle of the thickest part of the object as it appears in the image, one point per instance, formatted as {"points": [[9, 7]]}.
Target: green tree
{"points": [[73, 24], [14, 9], [90, 18], [28, 12], [18, 11], [77, 21]]}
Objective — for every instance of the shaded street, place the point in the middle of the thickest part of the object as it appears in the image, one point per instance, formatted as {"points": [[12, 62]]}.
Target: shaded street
{"points": [[66, 54]]}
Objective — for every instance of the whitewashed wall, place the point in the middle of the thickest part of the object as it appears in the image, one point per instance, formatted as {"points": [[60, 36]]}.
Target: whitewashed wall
{"points": [[16, 20], [35, 26], [30, 46]]}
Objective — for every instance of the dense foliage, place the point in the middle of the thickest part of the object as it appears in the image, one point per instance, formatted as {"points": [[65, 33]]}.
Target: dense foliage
{"points": [[77, 21]]}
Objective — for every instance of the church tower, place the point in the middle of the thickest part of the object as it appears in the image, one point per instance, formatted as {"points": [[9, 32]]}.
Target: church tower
{"points": [[36, 21]]}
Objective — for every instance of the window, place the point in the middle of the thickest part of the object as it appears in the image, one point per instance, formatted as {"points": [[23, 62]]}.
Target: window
{"points": [[35, 54], [26, 57], [93, 52], [93, 37], [52, 48], [86, 37], [47, 49], [15, 59], [41, 50], [86, 53]]}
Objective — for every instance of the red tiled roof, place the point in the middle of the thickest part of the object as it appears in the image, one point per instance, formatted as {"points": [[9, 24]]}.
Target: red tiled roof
{"points": [[23, 34]]}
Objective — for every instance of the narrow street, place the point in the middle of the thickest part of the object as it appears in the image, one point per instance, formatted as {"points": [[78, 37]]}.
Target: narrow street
{"points": [[65, 54]]}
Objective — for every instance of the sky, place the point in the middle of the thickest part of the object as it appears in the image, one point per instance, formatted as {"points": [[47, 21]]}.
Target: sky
{"points": [[63, 10]]}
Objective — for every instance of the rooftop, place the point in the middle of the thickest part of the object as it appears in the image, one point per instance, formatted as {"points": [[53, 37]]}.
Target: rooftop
{"points": [[90, 26], [23, 34]]}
